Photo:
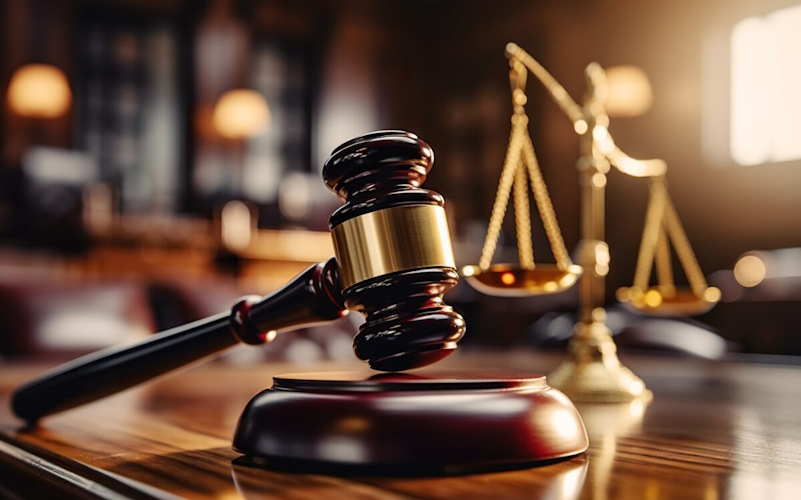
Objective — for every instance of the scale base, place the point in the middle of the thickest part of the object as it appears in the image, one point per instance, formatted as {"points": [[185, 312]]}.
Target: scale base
{"points": [[425, 423], [592, 372]]}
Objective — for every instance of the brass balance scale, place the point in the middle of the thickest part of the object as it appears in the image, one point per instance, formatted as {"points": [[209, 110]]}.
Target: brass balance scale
{"points": [[592, 371]]}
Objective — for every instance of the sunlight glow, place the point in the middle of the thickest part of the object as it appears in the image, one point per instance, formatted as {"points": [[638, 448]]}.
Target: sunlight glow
{"points": [[765, 80]]}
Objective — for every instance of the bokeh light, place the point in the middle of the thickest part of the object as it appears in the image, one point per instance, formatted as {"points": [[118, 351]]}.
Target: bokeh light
{"points": [[240, 114], [39, 91], [629, 91]]}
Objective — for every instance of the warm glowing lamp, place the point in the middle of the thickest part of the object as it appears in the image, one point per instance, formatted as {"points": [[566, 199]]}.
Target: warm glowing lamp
{"points": [[628, 91], [240, 114], [39, 91]]}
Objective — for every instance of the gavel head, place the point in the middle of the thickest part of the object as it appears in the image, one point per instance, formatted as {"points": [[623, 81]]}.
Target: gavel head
{"points": [[394, 251]]}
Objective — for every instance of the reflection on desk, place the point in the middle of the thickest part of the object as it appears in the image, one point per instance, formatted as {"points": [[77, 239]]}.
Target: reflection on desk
{"points": [[713, 430]]}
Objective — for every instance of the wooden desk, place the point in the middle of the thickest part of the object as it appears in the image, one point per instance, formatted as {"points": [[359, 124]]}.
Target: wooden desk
{"points": [[723, 430]]}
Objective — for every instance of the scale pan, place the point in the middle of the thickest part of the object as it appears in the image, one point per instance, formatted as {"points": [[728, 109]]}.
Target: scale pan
{"points": [[511, 280], [681, 302]]}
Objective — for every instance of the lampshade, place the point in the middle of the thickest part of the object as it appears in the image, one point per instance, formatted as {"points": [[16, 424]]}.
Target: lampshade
{"points": [[629, 91], [39, 91], [240, 114]]}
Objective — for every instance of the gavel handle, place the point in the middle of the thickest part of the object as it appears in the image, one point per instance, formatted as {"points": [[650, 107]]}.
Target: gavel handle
{"points": [[311, 297]]}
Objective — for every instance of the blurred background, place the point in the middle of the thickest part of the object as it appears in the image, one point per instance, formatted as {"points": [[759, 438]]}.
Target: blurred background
{"points": [[158, 159]]}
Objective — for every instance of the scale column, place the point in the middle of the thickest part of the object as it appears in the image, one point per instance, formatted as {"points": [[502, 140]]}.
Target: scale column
{"points": [[592, 371], [593, 252]]}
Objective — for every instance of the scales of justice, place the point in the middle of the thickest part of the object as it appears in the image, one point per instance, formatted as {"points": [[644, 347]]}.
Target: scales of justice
{"points": [[592, 371]]}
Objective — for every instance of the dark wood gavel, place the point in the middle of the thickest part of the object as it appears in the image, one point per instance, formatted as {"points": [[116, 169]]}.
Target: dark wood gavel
{"points": [[394, 262]]}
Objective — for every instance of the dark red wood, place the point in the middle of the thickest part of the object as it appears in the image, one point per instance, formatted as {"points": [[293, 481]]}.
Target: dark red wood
{"points": [[421, 423], [408, 325]]}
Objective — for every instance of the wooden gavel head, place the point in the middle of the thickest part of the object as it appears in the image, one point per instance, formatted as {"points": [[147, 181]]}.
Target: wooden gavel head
{"points": [[394, 251]]}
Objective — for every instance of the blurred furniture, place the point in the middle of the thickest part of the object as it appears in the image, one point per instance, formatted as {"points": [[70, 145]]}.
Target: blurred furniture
{"points": [[144, 274], [713, 430], [51, 318], [671, 335], [762, 315], [176, 302], [156, 247], [63, 319], [636, 333], [53, 182]]}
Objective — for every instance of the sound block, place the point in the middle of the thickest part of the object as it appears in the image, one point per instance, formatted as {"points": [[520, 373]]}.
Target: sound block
{"points": [[429, 422]]}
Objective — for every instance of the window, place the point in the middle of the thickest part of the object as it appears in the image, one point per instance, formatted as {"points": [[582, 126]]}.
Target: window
{"points": [[765, 94]]}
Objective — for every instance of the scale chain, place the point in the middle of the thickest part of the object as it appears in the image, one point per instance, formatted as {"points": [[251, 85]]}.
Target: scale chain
{"points": [[650, 235], [664, 270], [684, 251], [502, 196], [525, 249], [544, 205]]}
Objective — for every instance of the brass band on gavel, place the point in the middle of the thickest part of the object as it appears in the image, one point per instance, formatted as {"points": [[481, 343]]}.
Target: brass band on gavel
{"points": [[391, 240]]}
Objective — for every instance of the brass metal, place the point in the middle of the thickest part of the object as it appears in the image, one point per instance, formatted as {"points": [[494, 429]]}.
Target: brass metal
{"points": [[592, 371], [508, 280], [662, 225], [668, 301], [519, 169], [391, 240], [578, 115]]}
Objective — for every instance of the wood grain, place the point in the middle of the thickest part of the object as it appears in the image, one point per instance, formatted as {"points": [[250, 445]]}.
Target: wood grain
{"points": [[713, 430]]}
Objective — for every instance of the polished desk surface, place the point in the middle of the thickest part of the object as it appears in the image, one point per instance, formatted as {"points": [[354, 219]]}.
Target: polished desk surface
{"points": [[713, 430]]}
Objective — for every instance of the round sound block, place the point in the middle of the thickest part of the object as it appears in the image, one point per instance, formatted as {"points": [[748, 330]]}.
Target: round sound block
{"points": [[399, 424]]}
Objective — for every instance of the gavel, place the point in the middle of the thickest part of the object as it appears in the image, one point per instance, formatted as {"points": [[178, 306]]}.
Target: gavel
{"points": [[393, 263]]}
